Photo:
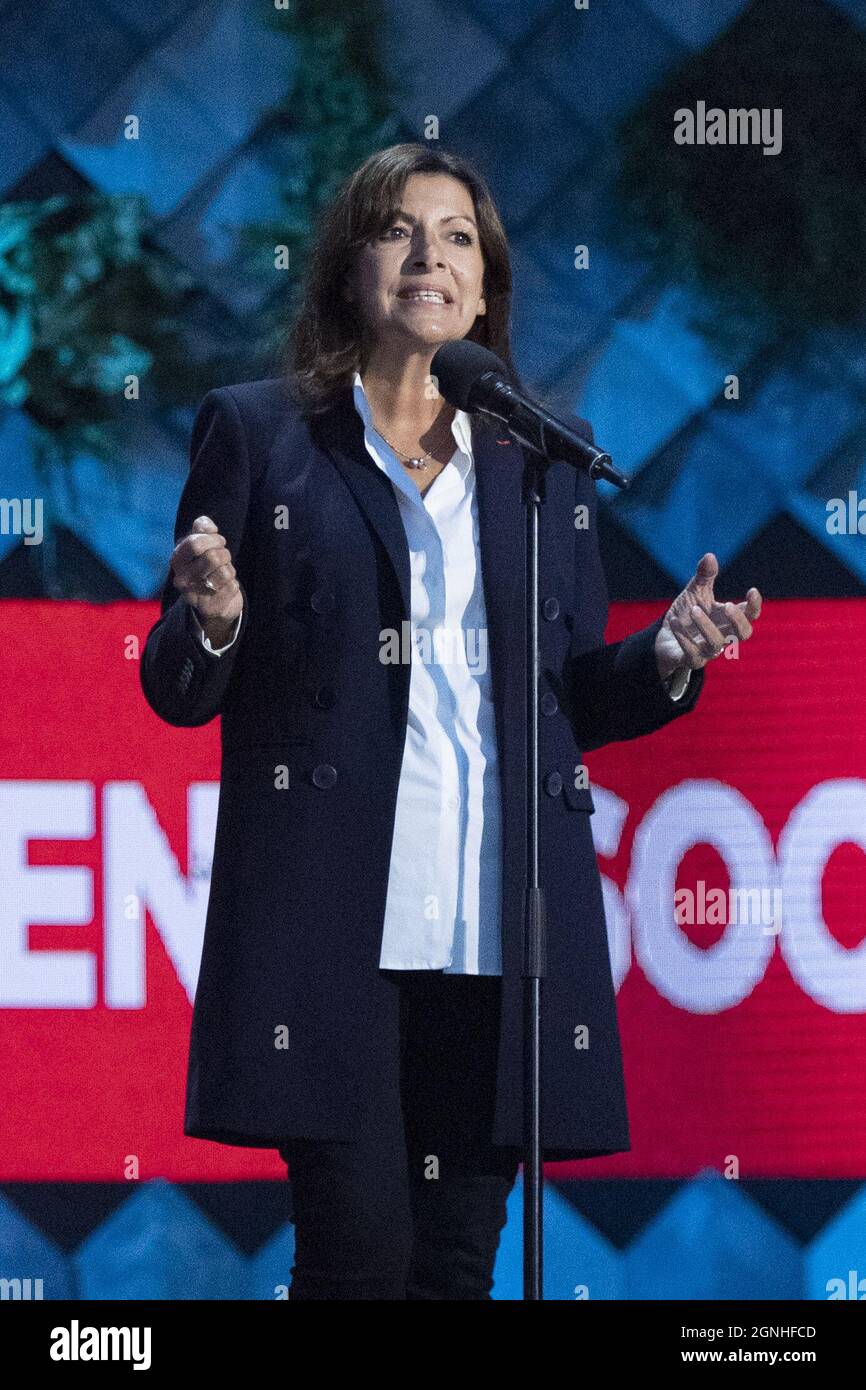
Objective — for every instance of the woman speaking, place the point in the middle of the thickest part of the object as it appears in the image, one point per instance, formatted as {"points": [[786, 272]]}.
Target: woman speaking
{"points": [[346, 592]]}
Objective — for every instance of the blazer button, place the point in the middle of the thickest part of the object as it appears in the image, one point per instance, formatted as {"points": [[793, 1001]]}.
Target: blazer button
{"points": [[550, 609], [324, 696], [549, 702], [322, 601], [553, 783], [325, 776]]}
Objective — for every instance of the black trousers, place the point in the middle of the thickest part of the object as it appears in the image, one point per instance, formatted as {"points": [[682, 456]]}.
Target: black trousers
{"points": [[414, 1208]]}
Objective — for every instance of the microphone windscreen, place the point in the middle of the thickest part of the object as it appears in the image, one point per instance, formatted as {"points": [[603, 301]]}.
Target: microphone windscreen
{"points": [[457, 365]]}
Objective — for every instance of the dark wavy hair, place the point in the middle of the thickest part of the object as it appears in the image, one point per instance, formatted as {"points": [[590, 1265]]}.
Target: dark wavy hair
{"points": [[327, 341]]}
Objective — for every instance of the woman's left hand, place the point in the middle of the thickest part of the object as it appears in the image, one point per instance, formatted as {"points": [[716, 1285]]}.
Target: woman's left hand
{"points": [[697, 626]]}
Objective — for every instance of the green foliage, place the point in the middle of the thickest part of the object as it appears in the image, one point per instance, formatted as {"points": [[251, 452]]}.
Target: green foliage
{"points": [[86, 303], [336, 112]]}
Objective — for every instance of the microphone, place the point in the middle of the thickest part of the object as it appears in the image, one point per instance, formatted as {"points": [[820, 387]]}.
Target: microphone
{"points": [[476, 380]]}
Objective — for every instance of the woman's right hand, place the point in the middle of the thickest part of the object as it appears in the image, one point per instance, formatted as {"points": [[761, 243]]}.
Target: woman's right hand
{"points": [[203, 572]]}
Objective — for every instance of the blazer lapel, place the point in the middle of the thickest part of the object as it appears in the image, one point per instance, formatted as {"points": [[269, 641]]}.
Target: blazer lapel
{"points": [[502, 542], [501, 531], [341, 431]]}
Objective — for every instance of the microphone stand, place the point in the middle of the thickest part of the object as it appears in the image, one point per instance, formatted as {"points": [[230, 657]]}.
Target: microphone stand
{"points": [[534, 924], [534, 939]]}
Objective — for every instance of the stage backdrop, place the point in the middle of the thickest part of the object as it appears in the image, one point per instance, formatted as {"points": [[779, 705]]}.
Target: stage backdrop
{"points": [[732, 849]]}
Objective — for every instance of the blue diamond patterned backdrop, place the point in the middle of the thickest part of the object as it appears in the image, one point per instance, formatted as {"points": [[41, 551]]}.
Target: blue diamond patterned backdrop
{"points": [[534, 97], [708, 1238]]}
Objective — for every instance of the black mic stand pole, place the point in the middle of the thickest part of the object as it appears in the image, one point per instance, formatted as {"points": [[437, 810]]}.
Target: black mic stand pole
{"points": [[534, 943], [534, 926]]}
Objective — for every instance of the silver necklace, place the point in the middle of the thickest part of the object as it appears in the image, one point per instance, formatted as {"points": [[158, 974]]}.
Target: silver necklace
{"points": [[409, 461]]}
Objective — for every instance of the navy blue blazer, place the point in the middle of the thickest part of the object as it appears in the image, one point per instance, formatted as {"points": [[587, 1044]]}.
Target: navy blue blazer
{"points": [[300, 872]]}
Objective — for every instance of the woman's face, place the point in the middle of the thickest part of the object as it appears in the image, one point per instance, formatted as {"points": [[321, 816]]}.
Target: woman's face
{"points": [[431, 244]]}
